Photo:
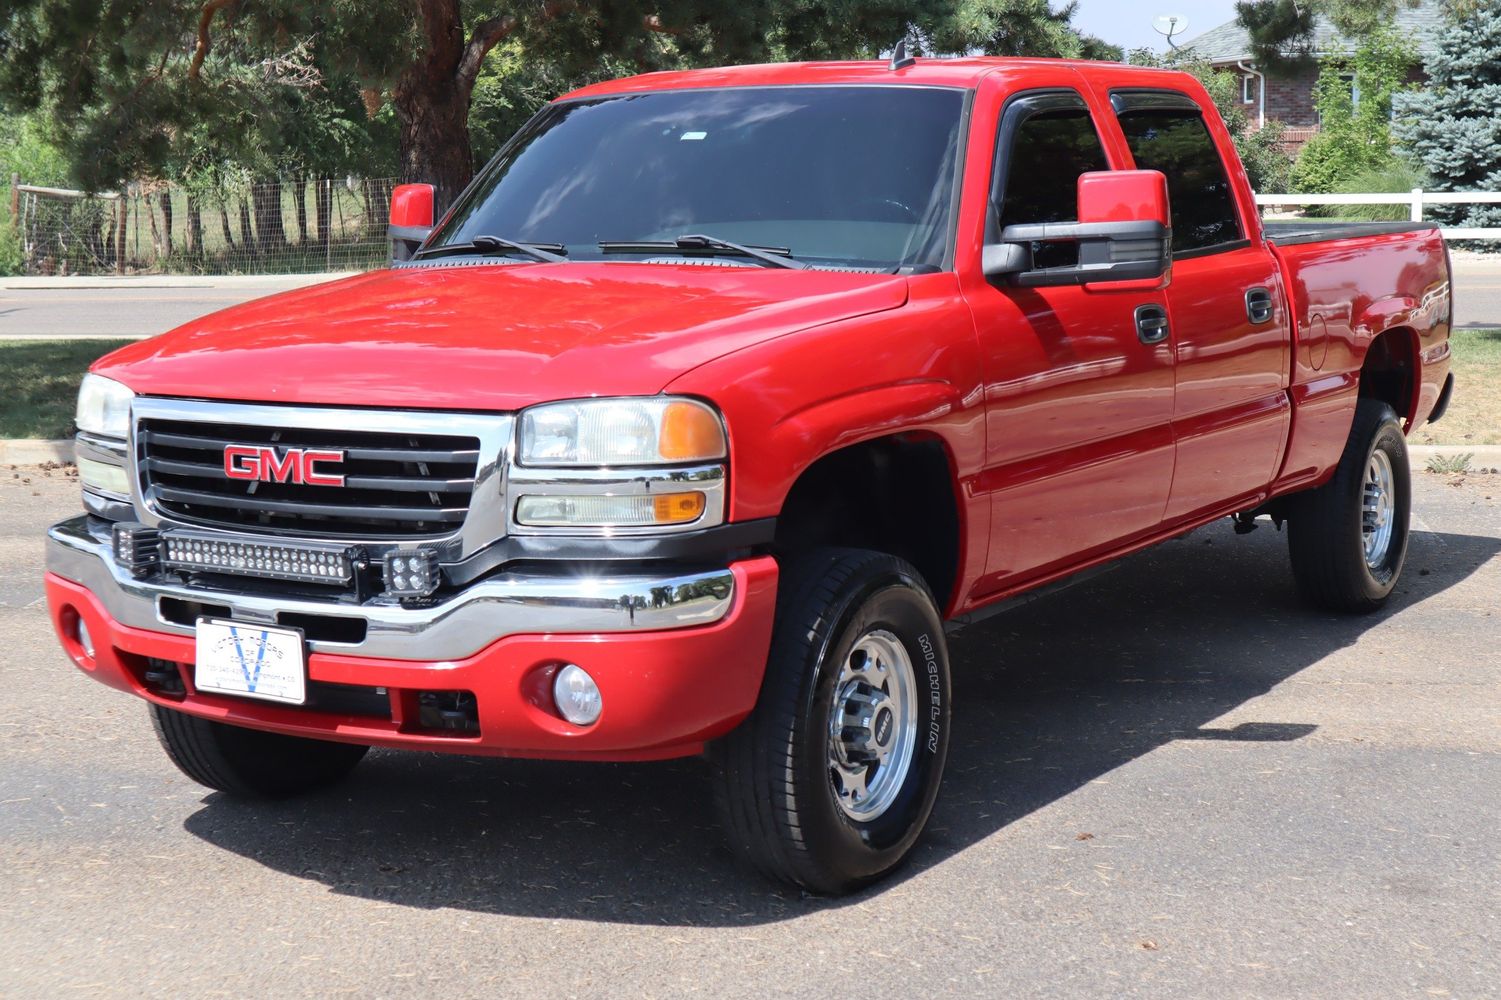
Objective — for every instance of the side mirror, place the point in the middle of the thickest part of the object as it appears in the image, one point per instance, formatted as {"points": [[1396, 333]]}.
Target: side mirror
{"points": [[1123, 234], [411, 218]]}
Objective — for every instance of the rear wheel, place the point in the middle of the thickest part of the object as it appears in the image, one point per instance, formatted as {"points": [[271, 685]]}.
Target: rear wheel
{"points": [[831, 780], [1348, 538], [248, 762]]}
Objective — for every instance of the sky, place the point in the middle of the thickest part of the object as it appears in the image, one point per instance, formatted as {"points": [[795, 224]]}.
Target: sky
{"points": [[1128, 23]]}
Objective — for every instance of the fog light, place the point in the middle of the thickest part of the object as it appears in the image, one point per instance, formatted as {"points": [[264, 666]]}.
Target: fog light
{"points": [[135, 545], [411, 572], [87, 641], [577, 696]]}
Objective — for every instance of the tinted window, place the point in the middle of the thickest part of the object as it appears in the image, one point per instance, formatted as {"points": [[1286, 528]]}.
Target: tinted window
{"points": [[1049, 152], [861, 176], [1178, 144]]}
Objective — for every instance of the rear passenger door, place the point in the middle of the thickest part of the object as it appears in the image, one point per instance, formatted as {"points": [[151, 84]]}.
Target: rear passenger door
{"points": [[1229, 327]]}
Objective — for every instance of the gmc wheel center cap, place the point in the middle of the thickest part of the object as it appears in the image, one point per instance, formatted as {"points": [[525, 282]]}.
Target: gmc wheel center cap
{"points": [[883, 726]]}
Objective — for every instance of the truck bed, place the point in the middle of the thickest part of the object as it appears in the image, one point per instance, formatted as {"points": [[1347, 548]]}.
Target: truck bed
{"points": [[1287, 234]]}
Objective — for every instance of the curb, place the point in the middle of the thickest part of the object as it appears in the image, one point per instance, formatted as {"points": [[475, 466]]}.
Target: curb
{"points": [[1482, 456], [77, 282], [35, 451]]}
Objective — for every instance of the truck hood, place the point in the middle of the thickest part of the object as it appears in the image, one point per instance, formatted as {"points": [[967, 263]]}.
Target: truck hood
{"points": [[492, 336]]}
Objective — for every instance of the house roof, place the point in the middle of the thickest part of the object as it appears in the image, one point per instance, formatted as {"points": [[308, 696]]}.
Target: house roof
{"points": [[1231, 43]]}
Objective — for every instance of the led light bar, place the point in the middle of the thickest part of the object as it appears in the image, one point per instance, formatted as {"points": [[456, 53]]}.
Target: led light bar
{"points": [[303, 562], [411, 572], [135, 546]]}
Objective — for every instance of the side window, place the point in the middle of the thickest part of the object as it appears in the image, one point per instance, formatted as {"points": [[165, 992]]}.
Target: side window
{"points": [[1048, 151], [1177, 142]]}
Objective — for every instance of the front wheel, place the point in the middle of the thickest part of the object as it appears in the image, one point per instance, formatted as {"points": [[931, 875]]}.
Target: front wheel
{"points": [[1348, 538], [247, 762], [831, 780]]}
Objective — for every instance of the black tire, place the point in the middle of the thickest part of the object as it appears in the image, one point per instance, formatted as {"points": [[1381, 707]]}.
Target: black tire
{"points": [[775, 781], [1326, 530], [247, 762]]}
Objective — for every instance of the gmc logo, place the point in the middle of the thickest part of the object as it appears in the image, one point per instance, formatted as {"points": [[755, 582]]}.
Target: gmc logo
{"points": [[262, 463]]}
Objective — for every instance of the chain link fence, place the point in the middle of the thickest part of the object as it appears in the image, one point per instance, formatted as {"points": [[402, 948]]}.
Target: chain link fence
{"points": [[280, 227]]}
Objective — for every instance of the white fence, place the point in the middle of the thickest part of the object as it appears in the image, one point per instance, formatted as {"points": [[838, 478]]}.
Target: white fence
{"points": [[1417, 199]]}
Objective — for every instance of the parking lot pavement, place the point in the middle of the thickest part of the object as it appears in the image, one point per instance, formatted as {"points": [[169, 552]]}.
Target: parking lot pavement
{"points": [[1169, 781]]}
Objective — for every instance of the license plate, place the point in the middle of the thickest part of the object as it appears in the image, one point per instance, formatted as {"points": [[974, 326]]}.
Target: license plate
{"points": [[251, 661]]}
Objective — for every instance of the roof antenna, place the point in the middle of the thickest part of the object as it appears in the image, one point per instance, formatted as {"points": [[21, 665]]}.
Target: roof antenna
{"points": [[899, 57]]}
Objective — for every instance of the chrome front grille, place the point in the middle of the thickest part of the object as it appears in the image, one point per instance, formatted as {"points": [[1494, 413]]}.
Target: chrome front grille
{"points": [[405, 475]]}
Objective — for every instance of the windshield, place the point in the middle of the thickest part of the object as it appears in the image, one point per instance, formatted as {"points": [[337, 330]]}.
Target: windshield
{"points": [[839, 176]]}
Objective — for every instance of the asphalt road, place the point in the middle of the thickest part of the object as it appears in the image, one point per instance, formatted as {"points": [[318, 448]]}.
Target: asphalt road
{"points": [[1169, 781], [143, 307], [1477, 293], [123, 307]]}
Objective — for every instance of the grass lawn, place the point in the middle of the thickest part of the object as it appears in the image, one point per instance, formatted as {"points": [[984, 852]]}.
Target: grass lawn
{"points": [[1474, 415], [41, 384]]}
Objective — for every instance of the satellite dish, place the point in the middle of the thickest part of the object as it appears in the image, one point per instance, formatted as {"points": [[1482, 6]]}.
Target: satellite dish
{"points": [[1170, 25]]}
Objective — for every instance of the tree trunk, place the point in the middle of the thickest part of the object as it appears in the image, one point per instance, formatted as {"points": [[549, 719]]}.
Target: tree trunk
{"points": [[270, 230], [195, 226], [157, 247], [247, 232], [166, 199], [122, 216], [229, 233], [299, 195], [432, 99], [323, 196], [435, 146]]}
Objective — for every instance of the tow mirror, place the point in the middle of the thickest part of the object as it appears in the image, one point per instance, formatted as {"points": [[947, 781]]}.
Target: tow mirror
{"points": [[411, 218], [1123, 234]]}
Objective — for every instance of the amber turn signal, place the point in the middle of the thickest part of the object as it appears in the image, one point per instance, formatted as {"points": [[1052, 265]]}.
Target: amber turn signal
{"points": [[678, 508], [690, 432]]}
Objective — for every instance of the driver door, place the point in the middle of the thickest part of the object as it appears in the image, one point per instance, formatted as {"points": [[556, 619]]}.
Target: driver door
{"points": [[1079, 406]]}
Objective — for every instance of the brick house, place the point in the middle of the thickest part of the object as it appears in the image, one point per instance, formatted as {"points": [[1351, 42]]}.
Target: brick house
{"points": [[1288, 97]]}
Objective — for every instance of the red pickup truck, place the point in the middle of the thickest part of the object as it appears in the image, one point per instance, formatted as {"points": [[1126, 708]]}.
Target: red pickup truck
{"points": [[707, 408]]}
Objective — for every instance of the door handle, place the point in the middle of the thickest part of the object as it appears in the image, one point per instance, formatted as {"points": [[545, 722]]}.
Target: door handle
{"points": [[1259, 305], [1151, 324]]}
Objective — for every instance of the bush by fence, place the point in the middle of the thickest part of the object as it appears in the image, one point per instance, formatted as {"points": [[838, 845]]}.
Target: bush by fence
{"points": [[279, 227]]}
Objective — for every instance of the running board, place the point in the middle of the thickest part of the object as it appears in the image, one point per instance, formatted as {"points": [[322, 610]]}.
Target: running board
{"points": [[958, 623]]}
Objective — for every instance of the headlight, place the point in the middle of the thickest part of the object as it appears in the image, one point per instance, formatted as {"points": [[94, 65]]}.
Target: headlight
{"points": [[654, 430], [103, 407]]}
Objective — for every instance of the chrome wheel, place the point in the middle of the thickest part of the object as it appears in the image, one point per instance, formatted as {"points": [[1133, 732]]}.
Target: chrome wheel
{"points": [[1378, 510], [872, 725]]}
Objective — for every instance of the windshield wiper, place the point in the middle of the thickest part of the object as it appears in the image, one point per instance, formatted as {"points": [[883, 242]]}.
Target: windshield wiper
{"points": [[548, 253], [767, 256]]}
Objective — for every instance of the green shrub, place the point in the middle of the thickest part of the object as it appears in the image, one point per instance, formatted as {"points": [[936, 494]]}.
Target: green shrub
{"points": [[1354, 139], [1397, 177], [11, 259]]}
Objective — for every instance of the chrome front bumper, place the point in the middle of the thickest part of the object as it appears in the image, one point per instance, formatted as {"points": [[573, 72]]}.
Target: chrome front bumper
{"points": [[501, 605]]}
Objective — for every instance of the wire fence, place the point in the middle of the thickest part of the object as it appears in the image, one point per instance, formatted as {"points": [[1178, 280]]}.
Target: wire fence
{"points": [[278, 227]]}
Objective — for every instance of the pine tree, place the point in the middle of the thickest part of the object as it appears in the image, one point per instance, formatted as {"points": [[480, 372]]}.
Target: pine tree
{"points": [[1282, 31], [1453, 125]]}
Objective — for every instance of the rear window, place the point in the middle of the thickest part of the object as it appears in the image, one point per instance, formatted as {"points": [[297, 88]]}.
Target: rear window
{"points": [[1178, 143]]}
